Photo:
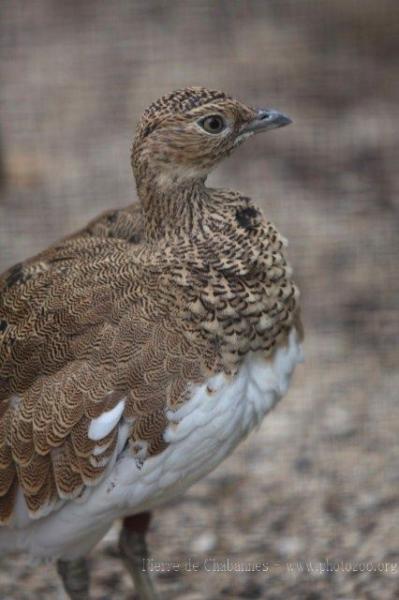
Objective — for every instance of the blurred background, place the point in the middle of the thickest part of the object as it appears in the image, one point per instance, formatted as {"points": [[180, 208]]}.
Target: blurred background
{"points": [[320, 480]]}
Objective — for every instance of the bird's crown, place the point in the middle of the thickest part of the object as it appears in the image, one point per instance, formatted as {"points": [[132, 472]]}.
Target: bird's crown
{"points": [[178, 102]]}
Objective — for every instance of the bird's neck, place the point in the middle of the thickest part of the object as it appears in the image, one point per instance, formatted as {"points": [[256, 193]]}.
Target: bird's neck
{"points": [[171, 207]]}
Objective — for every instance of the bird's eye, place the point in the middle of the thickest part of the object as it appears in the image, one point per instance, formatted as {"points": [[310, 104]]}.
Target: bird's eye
{"points": [[213, 124]]}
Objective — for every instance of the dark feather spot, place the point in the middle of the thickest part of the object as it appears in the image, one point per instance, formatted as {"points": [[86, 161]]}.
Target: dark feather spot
{"points": [[3, 325], [134, 239], [112, 217], [245, 216], [148, 129], [15, 275]]}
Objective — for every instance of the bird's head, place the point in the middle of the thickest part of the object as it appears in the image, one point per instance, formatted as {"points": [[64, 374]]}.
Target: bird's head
{"points": [[183, 135]]}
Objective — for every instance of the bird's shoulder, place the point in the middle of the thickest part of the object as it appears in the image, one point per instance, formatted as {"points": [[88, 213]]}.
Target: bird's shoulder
{"points": [[125, 223]]}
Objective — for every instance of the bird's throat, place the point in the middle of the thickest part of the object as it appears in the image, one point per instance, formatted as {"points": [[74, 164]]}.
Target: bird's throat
{"points": [[171, 209]]}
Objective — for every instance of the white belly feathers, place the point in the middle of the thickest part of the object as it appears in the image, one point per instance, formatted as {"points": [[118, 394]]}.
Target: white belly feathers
{"points": [[200, 435]]}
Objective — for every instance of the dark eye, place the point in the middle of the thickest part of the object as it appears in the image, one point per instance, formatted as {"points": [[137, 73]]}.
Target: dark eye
{"points": [[213, 124]]}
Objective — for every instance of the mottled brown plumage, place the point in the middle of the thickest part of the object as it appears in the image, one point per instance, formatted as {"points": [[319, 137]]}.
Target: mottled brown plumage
{"points": [[143, 303]]}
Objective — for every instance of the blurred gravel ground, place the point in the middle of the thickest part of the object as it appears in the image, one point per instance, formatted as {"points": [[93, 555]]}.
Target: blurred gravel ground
{"points": [[319, 481]]}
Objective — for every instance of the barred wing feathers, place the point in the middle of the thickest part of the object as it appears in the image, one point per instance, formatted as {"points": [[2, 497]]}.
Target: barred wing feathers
{"points": [[83, 328]]}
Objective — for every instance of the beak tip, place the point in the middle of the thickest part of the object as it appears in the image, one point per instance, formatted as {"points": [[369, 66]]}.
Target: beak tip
{"points": [[267, 119], [279, 119]]}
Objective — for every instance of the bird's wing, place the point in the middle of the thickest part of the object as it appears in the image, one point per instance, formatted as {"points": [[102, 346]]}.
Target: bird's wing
{"points": [[123, 223], [86, 337]]}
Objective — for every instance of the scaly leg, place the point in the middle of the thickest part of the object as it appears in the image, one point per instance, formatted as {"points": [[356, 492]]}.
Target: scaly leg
{"points": [[75, 577], [133, 547]]}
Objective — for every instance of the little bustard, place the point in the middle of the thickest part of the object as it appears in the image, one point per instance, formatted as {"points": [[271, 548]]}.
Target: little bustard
{"points": [[136, 354]]}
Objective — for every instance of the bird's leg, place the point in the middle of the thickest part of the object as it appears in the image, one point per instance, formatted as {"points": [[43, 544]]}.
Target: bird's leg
{"points": [[133, 547], [75, 577]]}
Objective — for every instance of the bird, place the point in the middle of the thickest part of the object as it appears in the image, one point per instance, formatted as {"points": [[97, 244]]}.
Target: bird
{"points": [[137, 353]]}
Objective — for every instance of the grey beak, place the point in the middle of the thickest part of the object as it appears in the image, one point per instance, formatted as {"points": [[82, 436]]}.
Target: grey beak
{"points": [[267, 119]]}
